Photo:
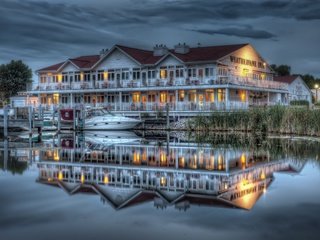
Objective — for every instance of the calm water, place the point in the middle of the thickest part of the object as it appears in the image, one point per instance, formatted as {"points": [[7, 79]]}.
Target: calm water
{"points": [[125, 186]]}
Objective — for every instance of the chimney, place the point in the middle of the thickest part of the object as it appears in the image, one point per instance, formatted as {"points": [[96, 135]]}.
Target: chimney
{"points": [[181, 48], [160, 50], [103, 52]]}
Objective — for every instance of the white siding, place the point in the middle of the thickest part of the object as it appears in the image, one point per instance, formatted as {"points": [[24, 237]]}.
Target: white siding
{"points": [[169, 61], [69, 68], [299, 91], [116, 60]]}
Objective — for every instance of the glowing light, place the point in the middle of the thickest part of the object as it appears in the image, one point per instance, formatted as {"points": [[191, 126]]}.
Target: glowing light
{"points": [[264, 190], [163, 74], [60, 176], [262, 176], [56, 156], [243, 158], [105, 75], [106, 180], [181, 162], [82, 178], [59, 76], [163, 181], [136, 158], [81, 76]]}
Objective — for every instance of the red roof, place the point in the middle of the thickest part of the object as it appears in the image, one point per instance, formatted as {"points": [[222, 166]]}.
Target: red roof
{"points": [[52, 67], [212, 53], [140, 55], [198, 54], [85, 61], [286, 79]]}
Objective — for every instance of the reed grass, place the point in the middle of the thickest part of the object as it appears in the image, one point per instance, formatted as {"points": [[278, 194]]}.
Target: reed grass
{"points": [[276, 119]]}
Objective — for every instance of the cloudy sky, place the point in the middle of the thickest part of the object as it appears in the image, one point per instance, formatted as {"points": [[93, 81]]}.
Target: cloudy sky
{"points": [[44, 32]]}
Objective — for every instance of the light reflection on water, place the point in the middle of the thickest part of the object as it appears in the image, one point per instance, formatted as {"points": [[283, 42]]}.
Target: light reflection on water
{"points": [[154, 187]]}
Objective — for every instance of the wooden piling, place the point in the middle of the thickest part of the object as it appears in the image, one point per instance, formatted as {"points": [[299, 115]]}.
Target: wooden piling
{"points": [[167, 116], [5, 123], [59, 120], [30, 115]]}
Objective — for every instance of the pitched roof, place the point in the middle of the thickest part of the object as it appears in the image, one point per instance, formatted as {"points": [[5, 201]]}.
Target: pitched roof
{"points": [[85, 61], [286, 79], [142, 56], [54, 67], [211, 53], [80, 62]]}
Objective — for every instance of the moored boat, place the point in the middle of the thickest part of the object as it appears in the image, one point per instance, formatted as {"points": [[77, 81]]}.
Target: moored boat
{"points": [[101, 119]]}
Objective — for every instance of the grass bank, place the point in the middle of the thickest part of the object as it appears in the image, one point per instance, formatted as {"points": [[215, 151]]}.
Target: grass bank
{"points": [[276, 119]]}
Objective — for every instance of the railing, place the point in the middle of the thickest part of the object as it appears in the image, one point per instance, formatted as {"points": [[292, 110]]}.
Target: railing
{"points": [[153, 106], [219, 80]]}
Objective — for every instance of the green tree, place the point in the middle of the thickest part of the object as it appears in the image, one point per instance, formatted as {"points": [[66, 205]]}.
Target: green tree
{"points": [[281, 70], [14, 77]]}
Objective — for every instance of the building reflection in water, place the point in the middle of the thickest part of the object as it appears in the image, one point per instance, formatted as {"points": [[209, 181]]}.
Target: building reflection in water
{"points": [[126, 170]]}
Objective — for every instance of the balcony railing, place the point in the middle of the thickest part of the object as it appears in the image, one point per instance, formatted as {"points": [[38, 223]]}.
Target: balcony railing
{"points": [[170, 82], [153, 106]]}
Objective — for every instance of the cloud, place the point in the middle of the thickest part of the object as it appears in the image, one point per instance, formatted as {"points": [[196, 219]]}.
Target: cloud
{"points": [[43, 32], [239, 32]]}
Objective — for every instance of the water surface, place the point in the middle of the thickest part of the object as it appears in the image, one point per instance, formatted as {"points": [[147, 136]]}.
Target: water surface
{"points": [[125, 186]]}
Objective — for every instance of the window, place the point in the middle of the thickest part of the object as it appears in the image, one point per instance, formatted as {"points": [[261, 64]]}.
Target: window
{"points": [[222, 71], [209, 72], [64, 77], [87, 98], [86, 76], [100, 75], [43, 79], [125, 75], [179, 72], [55, 78], [136, 74], [221, 95], [151, 97], [163, 97], [77, 77], [200, 72], [136, 97], [181, 96], [125, 98], [163, 73], [209, 96], [151, 74], [100, 98], [64, 99], [77, 99], [55, 98], [110, 98], [111, 74], [192, 96], [43, 99], [192, 72]]}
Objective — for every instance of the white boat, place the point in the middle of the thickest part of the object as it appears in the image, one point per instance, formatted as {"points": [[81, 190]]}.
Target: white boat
{"points": [[107, 138], [100, 119]]}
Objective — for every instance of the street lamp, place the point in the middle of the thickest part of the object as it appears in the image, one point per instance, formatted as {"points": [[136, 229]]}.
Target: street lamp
{"points": [[316, 87]]}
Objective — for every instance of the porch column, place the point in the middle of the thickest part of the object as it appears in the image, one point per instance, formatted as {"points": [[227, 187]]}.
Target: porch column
{"points": [[71, 100], [176, 99], [227, 103], [120, 101], [268, 98]]}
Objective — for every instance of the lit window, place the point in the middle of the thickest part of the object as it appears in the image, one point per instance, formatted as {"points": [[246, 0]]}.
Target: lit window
{"points": [[163, 73]]}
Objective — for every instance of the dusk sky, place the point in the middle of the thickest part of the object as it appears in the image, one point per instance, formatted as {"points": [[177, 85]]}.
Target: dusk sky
{"points": [[45, 32]]}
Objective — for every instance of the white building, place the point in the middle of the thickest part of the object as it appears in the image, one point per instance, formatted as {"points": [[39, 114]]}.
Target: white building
{"points": [[188, 80], [298, 89]]}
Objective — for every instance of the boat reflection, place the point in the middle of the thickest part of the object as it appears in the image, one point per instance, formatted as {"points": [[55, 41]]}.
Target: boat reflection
{"points": [[126, 173]]}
